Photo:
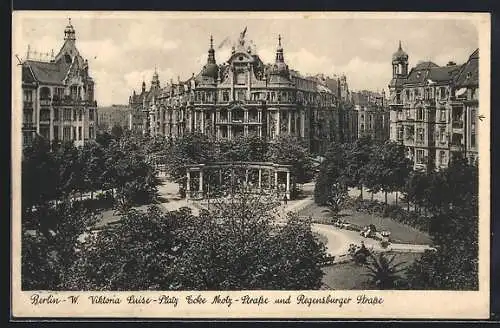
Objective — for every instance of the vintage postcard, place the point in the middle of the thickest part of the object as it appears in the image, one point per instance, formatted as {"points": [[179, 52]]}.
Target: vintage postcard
{"points": [[250, 165]]}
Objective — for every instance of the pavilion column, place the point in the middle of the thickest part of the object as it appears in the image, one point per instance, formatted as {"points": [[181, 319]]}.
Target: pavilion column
{"points": [[302, 124], [260, 179], [212, 124], [202, 127], [288, 184], [232, 180], [200, 186], [188, 183], [245, 120], [276, 179], [278, 122], [195, 119], [268, 126], [289, 122], [51, 124]]}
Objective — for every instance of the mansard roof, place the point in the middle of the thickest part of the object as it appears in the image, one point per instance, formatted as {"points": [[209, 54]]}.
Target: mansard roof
{"points": [[429, 72], [67, 62], [45, 72], [469, 74]]}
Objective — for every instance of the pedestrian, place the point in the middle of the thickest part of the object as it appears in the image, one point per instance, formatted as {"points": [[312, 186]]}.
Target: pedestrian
{"points": [[285, 199]]}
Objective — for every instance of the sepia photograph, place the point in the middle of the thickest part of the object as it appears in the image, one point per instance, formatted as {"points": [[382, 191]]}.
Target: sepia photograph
{"points": [[195, 153]]}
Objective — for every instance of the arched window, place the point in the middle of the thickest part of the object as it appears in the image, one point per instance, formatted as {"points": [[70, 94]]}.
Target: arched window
{"points": [[237, 114], [67, 58], [44, 93]]}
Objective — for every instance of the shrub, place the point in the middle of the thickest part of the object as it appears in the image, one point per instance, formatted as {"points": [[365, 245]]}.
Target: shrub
{"points": [[384, 244]]}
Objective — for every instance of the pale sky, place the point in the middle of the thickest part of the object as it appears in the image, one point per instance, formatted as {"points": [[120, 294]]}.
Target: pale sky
{"points": [[122, 49]]}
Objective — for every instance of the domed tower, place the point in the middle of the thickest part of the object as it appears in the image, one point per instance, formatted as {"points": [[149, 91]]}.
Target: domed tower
{"points": [[343, 88], [280, 68], [399, 75], [211, 69], [69, 31], [399, 63], [155, 82]]}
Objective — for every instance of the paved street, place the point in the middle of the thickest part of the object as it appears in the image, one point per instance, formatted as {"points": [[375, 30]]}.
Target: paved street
{"points": [[170, 199], [338, 240]]}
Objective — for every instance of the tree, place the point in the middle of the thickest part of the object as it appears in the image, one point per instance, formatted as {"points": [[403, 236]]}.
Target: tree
{"points": [[454, 264], [117, 131], [331, 180], [233, 246], [71, 169], [40, 175], [104, 139], [193, 148], [388, 168], [290, 150], [242, 149], [453, 203], [336, 198], [51, 244], [384, 273], [137, 254], [92, 155], [236, 246], [357, 158]]}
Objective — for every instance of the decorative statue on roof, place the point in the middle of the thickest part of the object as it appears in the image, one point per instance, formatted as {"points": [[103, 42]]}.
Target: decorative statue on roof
{"points": [[242, 37]]}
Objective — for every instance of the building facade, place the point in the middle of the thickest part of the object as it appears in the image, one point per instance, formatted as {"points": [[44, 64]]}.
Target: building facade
{"points": [[433, 110], [372, 114], [58, 96], [115, 115], [242, 97]]}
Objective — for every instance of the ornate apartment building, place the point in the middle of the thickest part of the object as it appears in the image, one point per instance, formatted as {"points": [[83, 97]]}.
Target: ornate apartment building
{"points": [[58, 95], [241, 97], [434, 109], [373, 114]]}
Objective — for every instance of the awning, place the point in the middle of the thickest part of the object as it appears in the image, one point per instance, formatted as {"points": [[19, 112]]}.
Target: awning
{"points": [[460, 91]]}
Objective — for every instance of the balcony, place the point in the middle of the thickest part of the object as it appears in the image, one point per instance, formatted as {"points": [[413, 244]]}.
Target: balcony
{"points": [[457, 147], [429, 102], [420, 142], [284, 102], [457, 124], [67, 101], [256, 102], [45, 101], [201, 102], [409, 141], [253, 120], [28, 126]]}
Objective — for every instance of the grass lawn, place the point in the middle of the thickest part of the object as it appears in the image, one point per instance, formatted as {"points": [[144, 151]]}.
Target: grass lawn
{"points": [[400, 233], [111, 216], [320, 238], [347, 276]]}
